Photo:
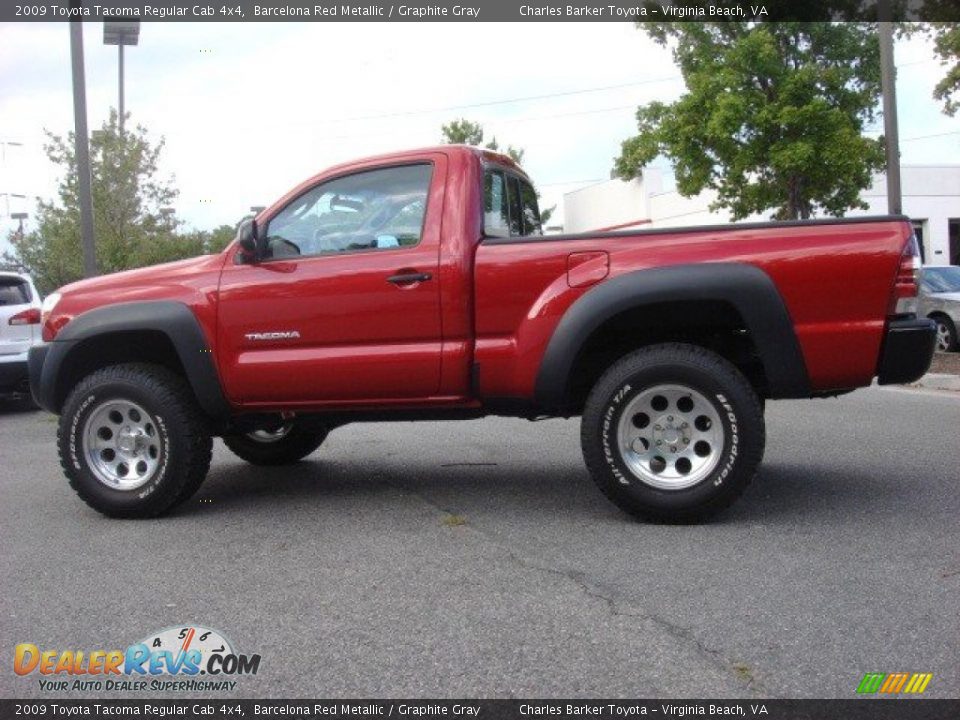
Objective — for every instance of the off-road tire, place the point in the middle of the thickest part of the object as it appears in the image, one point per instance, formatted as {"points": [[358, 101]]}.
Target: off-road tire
{"points": [[713, 380], [301, 440], [181, 432]]}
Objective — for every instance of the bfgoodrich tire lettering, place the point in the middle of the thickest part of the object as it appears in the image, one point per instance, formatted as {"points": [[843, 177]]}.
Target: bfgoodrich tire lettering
{"points": [[691, 390], [179, 438]]}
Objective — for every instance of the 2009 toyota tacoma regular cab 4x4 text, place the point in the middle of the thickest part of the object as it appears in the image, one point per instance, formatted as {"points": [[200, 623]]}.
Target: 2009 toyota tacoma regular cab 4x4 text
{"points": [[418, 285]]}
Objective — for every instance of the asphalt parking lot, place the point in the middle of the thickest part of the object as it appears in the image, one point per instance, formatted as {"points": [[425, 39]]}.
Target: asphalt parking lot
{"points": [[477, 559]]}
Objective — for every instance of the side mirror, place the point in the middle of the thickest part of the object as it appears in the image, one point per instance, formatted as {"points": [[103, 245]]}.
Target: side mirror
{"points": [[250, 243]]}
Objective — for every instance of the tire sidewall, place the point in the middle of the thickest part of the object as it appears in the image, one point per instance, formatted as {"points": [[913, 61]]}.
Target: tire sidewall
{"points": [[729, 406], [161, 486]]}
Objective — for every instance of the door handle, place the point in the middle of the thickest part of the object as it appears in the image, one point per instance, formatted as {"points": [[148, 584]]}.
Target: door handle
{"points": [[408, 278]]}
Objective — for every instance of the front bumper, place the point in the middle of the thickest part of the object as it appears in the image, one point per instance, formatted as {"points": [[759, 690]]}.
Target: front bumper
{"points": [[907, 351], [42, 393]]}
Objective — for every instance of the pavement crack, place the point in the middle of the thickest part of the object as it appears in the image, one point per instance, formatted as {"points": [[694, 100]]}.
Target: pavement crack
{"points": [[739, 671]]}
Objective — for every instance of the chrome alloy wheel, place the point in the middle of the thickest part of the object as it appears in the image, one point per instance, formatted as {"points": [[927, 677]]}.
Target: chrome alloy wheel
{"points": [[670, 437], [122, 445], [943, 336], [271, 436]]}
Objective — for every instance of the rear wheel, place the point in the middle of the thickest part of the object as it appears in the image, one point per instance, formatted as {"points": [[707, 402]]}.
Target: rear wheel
{"points": [[282, 445], [673, 433], [132, 441], [946, 334]]}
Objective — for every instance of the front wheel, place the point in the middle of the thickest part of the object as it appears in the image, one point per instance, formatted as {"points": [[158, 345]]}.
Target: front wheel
{"points": [[673, 433], [281, 445], [132, 441]]}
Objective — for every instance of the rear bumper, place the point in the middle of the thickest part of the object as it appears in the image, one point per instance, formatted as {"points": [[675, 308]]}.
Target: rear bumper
{"points": [[42, 393], [907, 351], [13, 373]]}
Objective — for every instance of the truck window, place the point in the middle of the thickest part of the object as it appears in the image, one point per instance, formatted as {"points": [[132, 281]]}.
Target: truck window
{"points": [[510, 206], [516, 216], [496, 214], [373, 210], [531, 210]]}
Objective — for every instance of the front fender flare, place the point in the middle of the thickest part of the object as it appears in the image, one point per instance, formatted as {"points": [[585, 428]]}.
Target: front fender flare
{"points": [[172, 319]]}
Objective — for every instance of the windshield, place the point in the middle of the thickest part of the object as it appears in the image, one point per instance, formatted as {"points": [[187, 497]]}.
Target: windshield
{"points": [[943, 279]]}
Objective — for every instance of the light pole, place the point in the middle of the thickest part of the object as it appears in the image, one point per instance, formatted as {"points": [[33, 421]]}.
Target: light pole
{"points": [[82, 144], [19, 217], [120, 33], [888, 85]]}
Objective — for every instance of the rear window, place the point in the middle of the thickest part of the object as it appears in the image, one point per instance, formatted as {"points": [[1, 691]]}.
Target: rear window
{"points": [[14, 291], [510, 206]]}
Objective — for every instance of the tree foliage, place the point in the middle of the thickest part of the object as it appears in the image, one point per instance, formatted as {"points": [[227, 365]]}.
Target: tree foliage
{"points": [[946, 44], [133, 222], [466, 132], [772, 118]]}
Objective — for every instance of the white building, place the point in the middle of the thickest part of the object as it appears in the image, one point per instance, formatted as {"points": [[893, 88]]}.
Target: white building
{"points": [[931, 198]]}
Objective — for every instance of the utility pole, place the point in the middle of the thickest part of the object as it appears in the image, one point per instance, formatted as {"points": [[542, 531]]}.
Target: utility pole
{"points": [[81, 145], [888, 84]]}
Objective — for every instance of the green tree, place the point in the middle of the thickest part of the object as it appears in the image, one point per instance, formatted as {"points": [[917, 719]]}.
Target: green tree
{"points": [[946, 45], [133, 223], [772, 118], [466, 132]]}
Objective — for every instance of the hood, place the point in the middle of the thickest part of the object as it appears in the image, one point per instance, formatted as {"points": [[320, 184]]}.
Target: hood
{"points": [[171, 273]]}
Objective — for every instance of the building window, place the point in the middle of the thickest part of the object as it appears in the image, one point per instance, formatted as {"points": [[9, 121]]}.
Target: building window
{"points": [[918, 228], [953, 246]]}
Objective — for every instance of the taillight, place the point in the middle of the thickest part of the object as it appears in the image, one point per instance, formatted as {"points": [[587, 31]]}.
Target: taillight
{"points": [[903, 300], [27, 317]]}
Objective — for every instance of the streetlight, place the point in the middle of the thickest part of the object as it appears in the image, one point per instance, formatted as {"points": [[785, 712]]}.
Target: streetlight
{"points": [[257, 209], [3, 147], [21, 216], [120, 33], [12, 195]]}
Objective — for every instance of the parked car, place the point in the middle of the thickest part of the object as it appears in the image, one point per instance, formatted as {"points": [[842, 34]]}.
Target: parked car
{"points": [[940, 301], [19, 331], [418, 285]]}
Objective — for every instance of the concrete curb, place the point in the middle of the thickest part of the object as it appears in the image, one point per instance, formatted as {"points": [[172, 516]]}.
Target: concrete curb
{"points": [[939, 381]]}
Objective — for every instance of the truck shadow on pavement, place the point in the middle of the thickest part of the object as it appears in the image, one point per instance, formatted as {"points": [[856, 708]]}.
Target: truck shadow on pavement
{"points": [[781, 493], [13, 407]]}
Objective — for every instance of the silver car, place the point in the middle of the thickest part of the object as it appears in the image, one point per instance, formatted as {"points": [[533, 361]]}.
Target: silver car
{"points": [[940, 301], [19, 330]]}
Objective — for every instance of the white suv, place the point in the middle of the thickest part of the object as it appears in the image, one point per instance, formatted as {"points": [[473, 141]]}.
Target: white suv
{"points": [[19, 330]]}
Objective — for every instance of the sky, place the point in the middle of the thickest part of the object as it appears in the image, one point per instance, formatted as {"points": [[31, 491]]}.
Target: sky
{"points": [[249, 110]]}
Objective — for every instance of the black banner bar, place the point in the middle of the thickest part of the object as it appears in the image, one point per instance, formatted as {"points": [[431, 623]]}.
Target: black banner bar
{"points": [[475, 10], [854, 709]]}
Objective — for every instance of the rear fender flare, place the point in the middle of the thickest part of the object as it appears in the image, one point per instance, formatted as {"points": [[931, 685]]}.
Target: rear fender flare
{"points": [[745, 287]]}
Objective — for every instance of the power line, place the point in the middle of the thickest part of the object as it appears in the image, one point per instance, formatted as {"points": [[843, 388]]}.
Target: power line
{"points": [[505, 101]]}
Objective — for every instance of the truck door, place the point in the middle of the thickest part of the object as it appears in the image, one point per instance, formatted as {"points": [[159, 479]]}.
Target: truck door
{"points": [[346, 305]]}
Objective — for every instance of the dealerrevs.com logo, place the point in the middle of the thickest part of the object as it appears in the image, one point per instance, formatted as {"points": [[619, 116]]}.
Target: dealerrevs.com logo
{"points": [[173, 659]]}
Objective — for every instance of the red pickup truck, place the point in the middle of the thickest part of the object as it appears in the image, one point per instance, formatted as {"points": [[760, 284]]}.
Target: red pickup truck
{"points": [[418, 285]]}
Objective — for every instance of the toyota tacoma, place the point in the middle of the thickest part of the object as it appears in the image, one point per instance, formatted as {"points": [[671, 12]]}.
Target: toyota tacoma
{"points": [[419, 285]]}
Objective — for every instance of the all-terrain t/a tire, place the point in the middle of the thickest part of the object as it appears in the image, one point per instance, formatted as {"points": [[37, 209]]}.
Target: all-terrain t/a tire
{"points": [[132, 441], [286, 444], [673, 433]]}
